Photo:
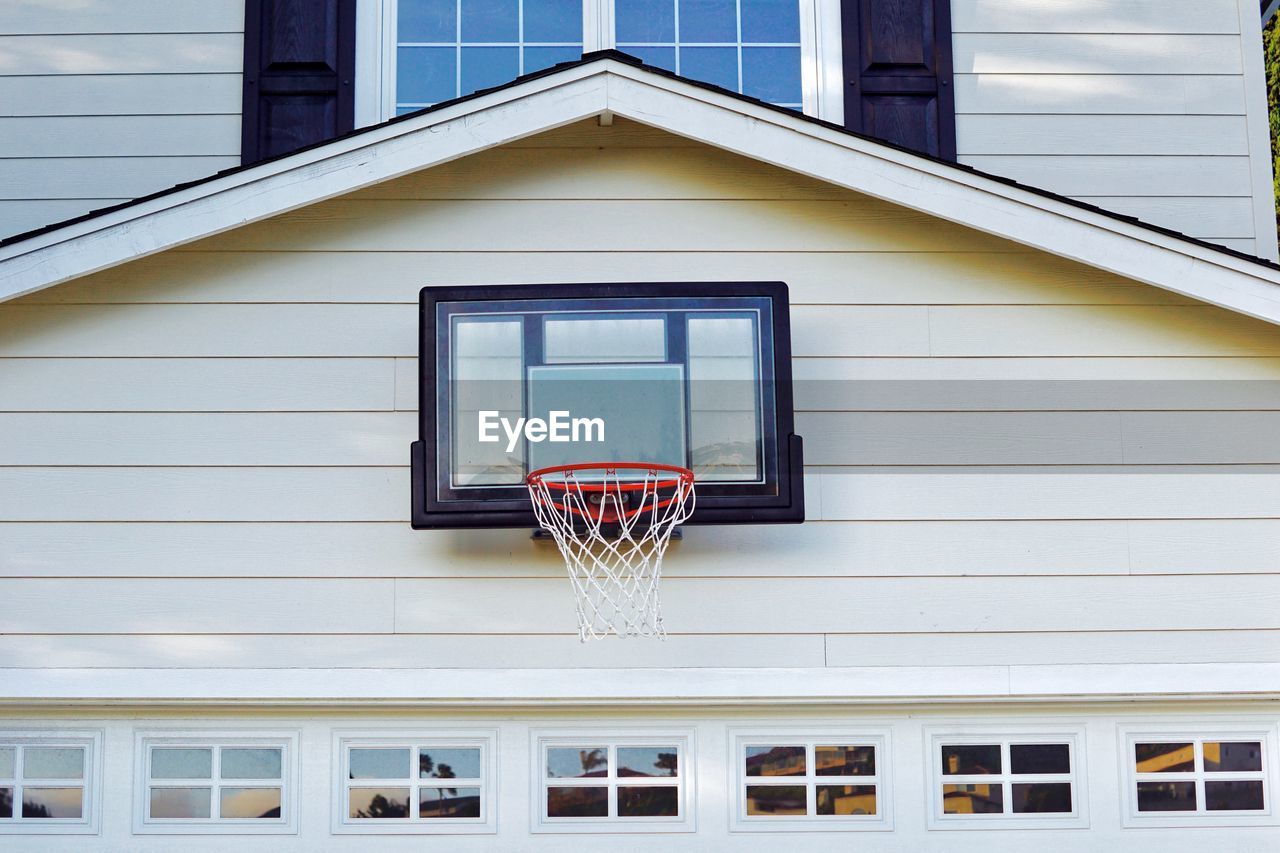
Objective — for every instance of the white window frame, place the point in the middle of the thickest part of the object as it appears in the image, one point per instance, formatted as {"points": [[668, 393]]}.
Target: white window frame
{"points": [[146, 740], [486, 740], [612, 738], [90, 821], [1006, 735], [821, 58], [1198, 733], [810, 737]]}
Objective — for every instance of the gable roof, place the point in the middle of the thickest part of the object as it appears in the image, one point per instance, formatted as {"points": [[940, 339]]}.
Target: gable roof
{"points": [[609, 83]]}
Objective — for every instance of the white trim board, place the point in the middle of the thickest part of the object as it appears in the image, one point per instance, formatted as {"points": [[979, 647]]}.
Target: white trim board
{"points": [[607, 86], [656, 686]]}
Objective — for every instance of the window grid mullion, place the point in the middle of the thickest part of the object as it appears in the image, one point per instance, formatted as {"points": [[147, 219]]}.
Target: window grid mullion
{"points": [[215, 786], [457, 50], [737, 48], [612, 768], [1197, 757], [19, 778], [676, 5]]}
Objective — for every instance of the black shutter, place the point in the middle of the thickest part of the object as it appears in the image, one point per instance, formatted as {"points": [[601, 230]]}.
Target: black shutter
{"points": [[299, 74], [897, 68]]}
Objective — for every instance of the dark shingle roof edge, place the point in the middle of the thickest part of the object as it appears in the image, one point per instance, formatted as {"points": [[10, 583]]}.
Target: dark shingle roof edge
{"points": [[619, 56]]}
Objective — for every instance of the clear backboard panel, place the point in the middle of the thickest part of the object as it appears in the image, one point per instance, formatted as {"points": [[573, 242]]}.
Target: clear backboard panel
{"points": [[515, 378]]}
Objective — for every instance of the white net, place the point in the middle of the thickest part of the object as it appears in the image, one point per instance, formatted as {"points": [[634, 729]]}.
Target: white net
{"points": [[612, 524]]}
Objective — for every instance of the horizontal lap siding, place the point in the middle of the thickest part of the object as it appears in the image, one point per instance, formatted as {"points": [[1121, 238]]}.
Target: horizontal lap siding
{"points": [[107, 101], [208, 447], [1141, 108]]}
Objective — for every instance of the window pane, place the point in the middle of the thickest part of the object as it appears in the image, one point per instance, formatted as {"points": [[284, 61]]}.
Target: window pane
{"points": [[775, 761], [772, 74], [1233, 796], [538, 58], [1042, 797], [770, 21], [553, 20], [776, 800], [648, 761], [708, 21], [7, 761], [1164, 757], [715, 65], [1166, 796], [846, 799], [53, 762], [661, 57], [6, 802], [375, 803], [257, 803], [844, 760], [490, 20], [426, 20], [578, 802], [605, 340], [171, 803], [52, 802], [378, 764], [181, 763], [645, 20], [972, 799], [649, 801], [971, 760], [1223, 757], [485, 67], [448, 763], [1040, 758], [571, 762], [426, 75], [251, 763], [448, 802]]}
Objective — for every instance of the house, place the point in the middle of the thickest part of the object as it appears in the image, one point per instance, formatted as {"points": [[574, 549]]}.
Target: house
{"points": [[1011, 297]]}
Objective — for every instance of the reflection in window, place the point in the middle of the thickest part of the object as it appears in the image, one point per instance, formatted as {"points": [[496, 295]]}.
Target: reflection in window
{"points": [[44, 784], [421, 783], [214, 782], [747, 46], [1004, 777], [604, 780], [1198, 776], [803, 780], [449, 48]]}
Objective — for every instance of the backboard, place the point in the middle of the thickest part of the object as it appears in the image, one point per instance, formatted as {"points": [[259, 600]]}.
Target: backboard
{"points": [[514, 378]]}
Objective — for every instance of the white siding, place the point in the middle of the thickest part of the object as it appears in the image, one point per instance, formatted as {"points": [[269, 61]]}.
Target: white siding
{"points": [[204, 454], [1151, 109], [106, 101]]}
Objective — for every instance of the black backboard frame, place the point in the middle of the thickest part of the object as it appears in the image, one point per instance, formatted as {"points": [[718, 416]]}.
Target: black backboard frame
{"points": [[785, 504]]}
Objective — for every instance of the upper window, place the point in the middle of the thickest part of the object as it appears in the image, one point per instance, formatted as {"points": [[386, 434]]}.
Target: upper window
{"points": [[819, 781], [1024, 779], [590, 782], [449, 48], [421, 782], [436, 50], [47, 782], [216, 782], [1181, 778], [747, 46]]}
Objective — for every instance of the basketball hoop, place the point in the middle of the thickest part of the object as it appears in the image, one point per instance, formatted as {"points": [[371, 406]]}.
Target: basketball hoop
{"points": [[612, 522]]}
